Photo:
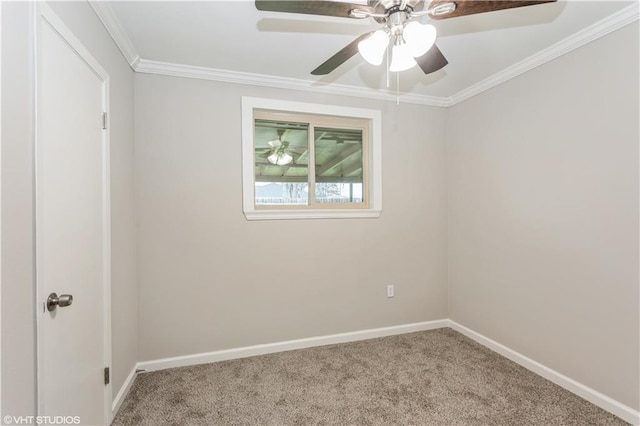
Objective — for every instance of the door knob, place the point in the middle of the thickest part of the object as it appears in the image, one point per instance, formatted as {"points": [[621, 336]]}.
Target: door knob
{"points": [[53, 301]]}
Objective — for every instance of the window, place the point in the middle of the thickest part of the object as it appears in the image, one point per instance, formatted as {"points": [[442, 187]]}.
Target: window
{"points": [[309, 160]]}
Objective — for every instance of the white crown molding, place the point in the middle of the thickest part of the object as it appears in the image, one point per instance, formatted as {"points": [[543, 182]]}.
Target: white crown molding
{"points": [[574, 41], [579, 39], [115, 30], [203, 73]]}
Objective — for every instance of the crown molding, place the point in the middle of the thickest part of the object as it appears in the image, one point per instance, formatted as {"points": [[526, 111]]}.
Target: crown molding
{"points": [[601, 28], [115, 30], [189, 71]]}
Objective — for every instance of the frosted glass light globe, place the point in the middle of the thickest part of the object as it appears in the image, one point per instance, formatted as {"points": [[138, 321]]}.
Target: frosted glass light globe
{"points": [[284, 159], [401, 58], [373, 47], [419, 37]]}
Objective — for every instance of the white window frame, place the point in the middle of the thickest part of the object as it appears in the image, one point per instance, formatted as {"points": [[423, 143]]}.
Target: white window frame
{"points": [[250, 104]]}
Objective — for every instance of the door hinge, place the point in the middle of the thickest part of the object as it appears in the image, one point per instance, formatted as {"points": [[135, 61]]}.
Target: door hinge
{"points": [[106, 375], [104, 120]]}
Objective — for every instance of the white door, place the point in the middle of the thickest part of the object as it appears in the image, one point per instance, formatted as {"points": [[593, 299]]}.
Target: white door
{"points": [[72, 227]]}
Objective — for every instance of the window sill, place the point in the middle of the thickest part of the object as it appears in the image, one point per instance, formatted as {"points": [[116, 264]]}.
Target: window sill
{"points": [[312, 214]]}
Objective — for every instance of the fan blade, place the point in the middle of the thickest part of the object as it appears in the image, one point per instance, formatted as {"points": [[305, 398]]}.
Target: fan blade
{"points": [[471, 7], [327, 8], [341, 57], [432, 61]]}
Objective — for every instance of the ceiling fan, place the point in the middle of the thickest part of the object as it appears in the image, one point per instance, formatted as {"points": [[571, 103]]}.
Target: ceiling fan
{"points": [[412, 42], [277, 153]]}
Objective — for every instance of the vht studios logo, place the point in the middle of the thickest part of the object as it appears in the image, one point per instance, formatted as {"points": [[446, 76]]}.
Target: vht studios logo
{"points": [[41, 420]]}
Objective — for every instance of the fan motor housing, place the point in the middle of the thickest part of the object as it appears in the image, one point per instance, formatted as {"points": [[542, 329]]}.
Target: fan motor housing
{"points": [[388, 4]]}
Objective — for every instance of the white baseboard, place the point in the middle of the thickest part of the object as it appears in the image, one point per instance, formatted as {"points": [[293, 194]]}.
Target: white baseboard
{"points": [[626, 413], [247, 351], [122, 393]]}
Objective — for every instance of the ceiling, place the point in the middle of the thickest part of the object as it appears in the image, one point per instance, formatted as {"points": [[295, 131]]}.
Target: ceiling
{"points": [[233, 36]]}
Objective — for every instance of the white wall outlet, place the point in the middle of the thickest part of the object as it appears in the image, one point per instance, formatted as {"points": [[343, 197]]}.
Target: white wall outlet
{"points": [[390, 291]]}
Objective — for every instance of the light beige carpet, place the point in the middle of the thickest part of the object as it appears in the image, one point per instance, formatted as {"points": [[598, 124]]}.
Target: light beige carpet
{"points": [[437, 377]]}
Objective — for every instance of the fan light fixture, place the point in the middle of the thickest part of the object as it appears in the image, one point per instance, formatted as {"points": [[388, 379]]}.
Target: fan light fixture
{"points": [[410, 41], [279, 156], [419, 37], [280, 159], [372, 48], [401, 57]]}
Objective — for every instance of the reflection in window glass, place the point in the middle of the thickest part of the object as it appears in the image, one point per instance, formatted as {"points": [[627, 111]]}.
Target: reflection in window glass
{"points": [[338, 165], [281, 163]]}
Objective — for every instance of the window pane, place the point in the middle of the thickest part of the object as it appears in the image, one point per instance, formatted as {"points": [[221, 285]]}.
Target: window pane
{"points": [[339, 172], [281, 163]]}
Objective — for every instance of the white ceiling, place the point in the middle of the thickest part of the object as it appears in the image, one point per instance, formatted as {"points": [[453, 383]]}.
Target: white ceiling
{"points": [[234, 36]]}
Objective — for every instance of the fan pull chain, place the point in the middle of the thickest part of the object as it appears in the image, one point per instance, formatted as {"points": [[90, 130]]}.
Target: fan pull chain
{"points": [[388, 72], [398, 88]]}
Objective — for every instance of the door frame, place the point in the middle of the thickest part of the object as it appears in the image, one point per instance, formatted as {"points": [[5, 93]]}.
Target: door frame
{"points": [[44, 15], [0, 206]]}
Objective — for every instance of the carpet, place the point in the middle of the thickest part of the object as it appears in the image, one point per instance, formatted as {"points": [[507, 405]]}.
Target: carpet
{"points": [[437, 377]]}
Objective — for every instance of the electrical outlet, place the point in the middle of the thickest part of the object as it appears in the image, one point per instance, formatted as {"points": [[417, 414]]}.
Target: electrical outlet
{"points": [[390, 291]]}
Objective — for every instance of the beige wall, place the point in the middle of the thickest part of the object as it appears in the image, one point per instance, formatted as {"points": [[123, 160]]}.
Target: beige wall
{"points": [[543, 214], [18, 375], [207, 276]]}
